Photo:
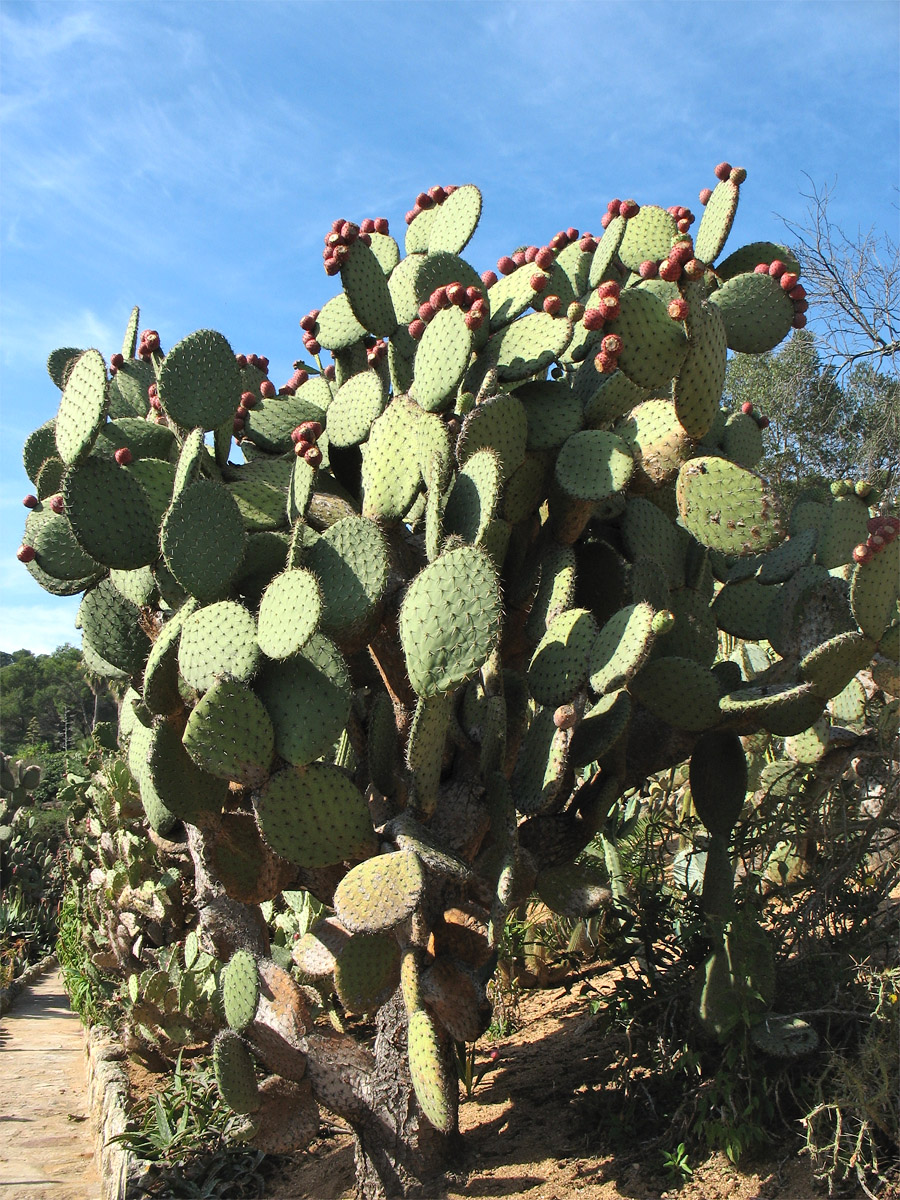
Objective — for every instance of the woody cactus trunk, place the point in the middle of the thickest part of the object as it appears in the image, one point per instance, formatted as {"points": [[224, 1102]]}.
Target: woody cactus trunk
{"points": [[404, 630]]}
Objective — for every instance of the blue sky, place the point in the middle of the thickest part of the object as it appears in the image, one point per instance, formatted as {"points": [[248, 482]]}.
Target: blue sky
{"points": [[189, 157]]}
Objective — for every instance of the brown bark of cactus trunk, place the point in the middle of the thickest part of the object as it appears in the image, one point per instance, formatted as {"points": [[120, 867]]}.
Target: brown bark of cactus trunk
{"points": [[399, 1154]]}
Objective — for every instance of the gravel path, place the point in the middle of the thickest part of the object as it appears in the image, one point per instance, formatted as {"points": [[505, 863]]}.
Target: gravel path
{"points": [[46, 1147]]}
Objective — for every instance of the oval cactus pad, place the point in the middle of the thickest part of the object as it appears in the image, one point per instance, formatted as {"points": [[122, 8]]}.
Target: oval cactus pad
{"points": [[83, 407], [229, 734], [315, 816], [200, 382], [726, 507]]}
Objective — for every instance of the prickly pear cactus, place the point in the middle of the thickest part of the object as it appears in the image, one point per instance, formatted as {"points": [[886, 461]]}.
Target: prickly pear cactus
{"points": [[408, 626]]}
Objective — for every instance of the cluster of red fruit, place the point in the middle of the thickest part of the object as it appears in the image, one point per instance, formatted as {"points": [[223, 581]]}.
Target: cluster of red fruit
{"points": [[607, 360], [748, 410], [679, 261], [248, 400], [882, 531], [308, 325], [683, 217], [607, 306], [376, 351], [148, 344], [338, 241], [304, 438], [620, 208], [425, 200], [789, 283], [469, 299]]}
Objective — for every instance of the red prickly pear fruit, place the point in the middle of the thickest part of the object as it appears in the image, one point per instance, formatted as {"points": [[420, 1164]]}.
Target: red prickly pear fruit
{"points": [[416, 329], [552, 305], [332, 266], [241, 359], [366, 239], [456, 293], [613, 207], [474, 294], [609, 288], [31, 501], [605, 363], [367, 226], [763, 422], [505, 265], [297, 435], [722, 171], [862, 553], [313, 347], [440, 298], [629, 208], [889, 532], [575, 311], [539, 282], [248, 399], [411, 215], [489, 278], [313, 456], [519, 258], [308, 323], [299, 378], [437, 193], [747, 408], [267, 389], [349, 231], [531, 253], [609, 306], [123, 456], [681, 252], [156, 404], [57, 504], [800, 306], [330, 373], [761, 269], [788, 280], [606, 220], [648, 269], [545, 258], [799, 321], [670, 271], [683, 225], [705, 195], [798, 292], [678, 309], [777, 268], [451, 188], [243, 413], [423, 200], [737, 175], [117, 361], [474, 319], [874, 524], [25, 554], [237, 425], [565, 716], [612, 345], [694, 269], [337, 224], [263, 363], [876, 541], [381, 225], [588, 244], [426, 311], [593, 319], [253, 360]]}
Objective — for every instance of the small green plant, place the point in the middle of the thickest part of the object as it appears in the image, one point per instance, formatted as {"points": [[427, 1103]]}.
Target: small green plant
{"points": [[469, 1074], [676, 1167]]}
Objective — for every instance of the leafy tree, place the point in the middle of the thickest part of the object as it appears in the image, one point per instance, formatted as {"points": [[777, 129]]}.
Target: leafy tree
{"points": [[46, 698]]}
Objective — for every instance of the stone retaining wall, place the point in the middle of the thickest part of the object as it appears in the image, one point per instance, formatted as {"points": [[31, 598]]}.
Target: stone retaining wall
{"points": [[121, 1172], [29, 975]]}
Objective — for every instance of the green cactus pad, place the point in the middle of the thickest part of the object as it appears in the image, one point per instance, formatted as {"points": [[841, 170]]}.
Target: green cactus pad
{"points": [[552, 411], [145, 439], [157, 478], [718, 777], [350, 560], [390, 475], [649, 534], [715, 224], [556, 589], [260, 491], [382, 744], [607, 250], [657, 440], [562, 661], [783, 708], [401, 285], [112, 625], [622, 647], [605, 397], [782, 562], [367, 971], [757, 312], [58, 553], [711, 492], [784, 1037], [83, 408], [541, 764], [678, 691], [742, 440], [416, 240], [434, 1088], [575, 264], [525, 489], [593, 465], [240, 990], [809, 514], [94, 661], [138, 586], [229, 734], [315, 816], [450, 620], [511, 295], [379, 893], [600, 730], [499, 424], [128, 389], [455, 220], [270, 423], [219, 639], [648, 236], [62, 587], [654, 345], [831, 666], [357, 404], [308, 698], [60, 364], [844, 529], [188, 792], [289, 613], [849, 706], [199, 381], [700, 379], [529, 345], [111, 514], [473, 497], [50, 477], [316, 952], [741, 609], [336, 326], [203, 539], [367, 291], [576, 890], [810, 745], [235, 1073], [39, 446], [441, 359], [747, 258], [889, 642]]}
